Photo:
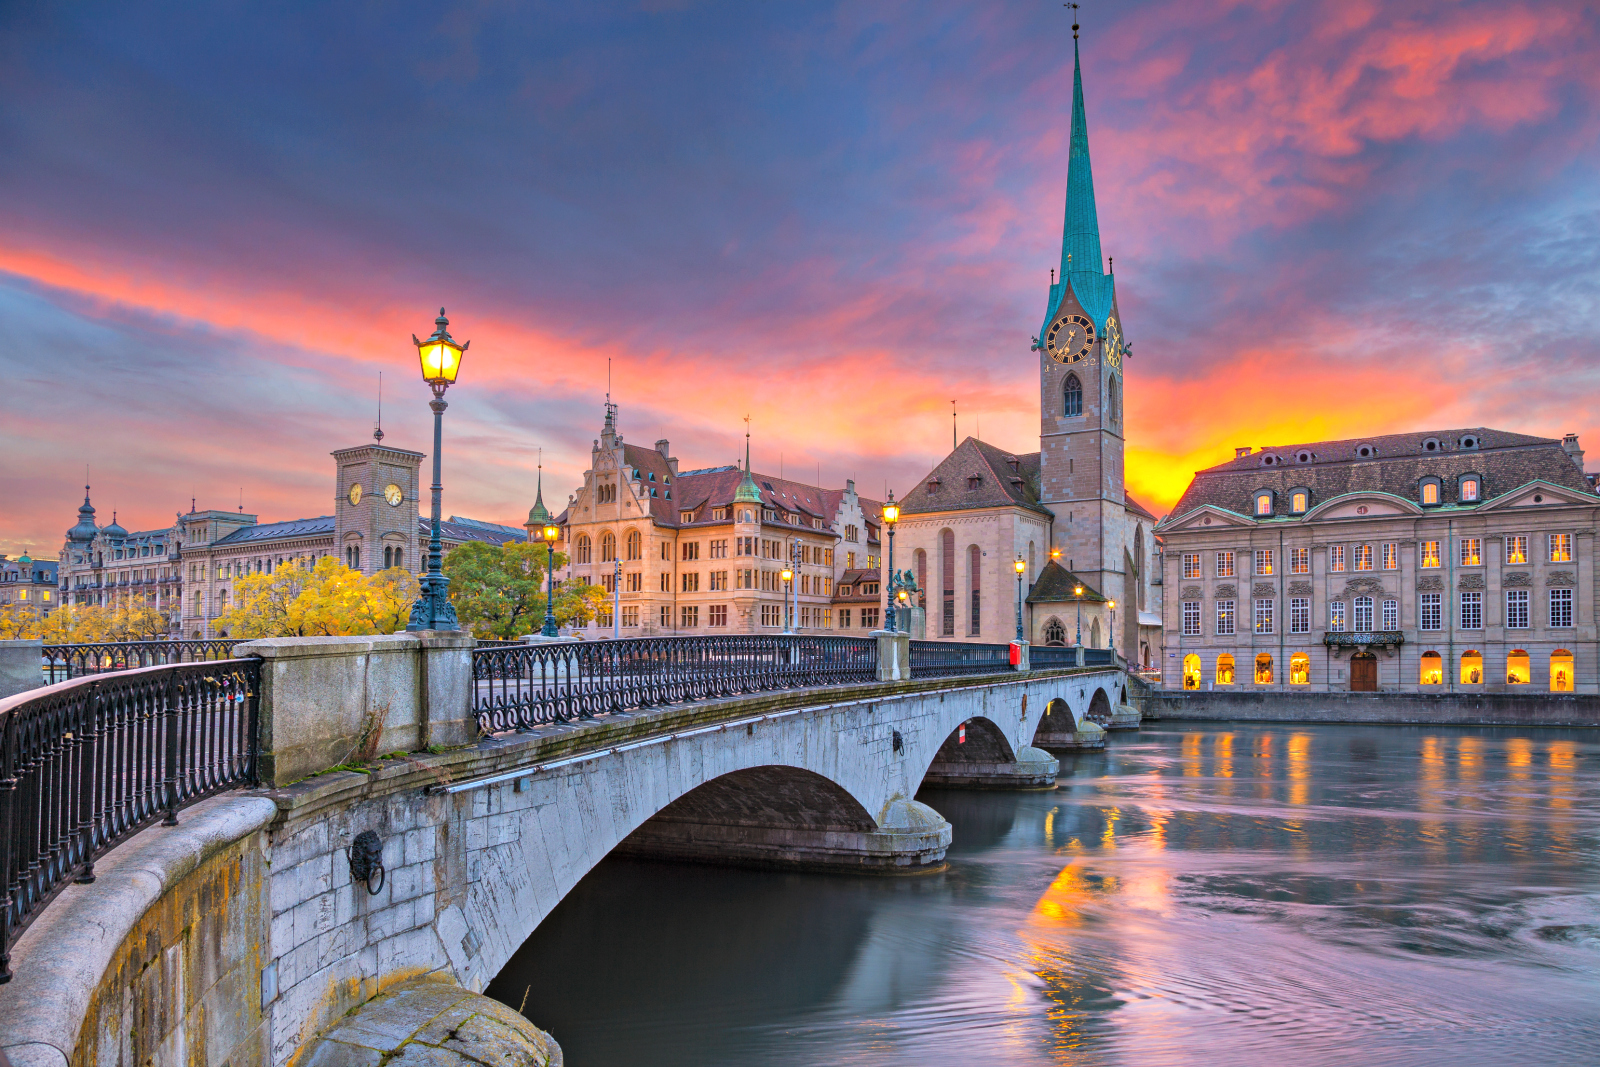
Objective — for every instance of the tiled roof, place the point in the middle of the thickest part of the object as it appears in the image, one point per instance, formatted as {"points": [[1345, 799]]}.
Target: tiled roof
{"points": [[1399, 462], [458, 532], [998, 483], [274, 531], [1055, 584], [712, 487], [853, 579]]}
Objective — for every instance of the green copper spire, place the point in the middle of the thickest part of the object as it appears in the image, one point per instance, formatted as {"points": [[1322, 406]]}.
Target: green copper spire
{"points": [[1081, 262], [748, 493], [538, 515]]}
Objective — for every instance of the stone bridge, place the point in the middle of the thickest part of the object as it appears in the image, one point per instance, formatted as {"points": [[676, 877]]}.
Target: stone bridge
{"points": [[243, 933]]}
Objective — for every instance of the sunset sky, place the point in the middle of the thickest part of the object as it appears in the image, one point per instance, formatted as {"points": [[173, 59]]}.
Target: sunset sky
{"points": [[219, 222]]}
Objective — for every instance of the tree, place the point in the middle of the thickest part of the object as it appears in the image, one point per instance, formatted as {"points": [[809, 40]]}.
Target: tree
{"points": [[580, 604], [498, 590], [72, 624], [17, 622], [138, 622], [325, 599]]}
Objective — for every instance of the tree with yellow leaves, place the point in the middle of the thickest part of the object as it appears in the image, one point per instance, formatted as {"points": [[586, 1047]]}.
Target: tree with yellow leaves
{"points": [[73, 624], [325, 599]]}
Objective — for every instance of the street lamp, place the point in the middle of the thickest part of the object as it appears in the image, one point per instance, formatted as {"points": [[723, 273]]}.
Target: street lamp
{"points": [[1077, 592], [1021, 567], [1112, 641], [891, 515], [551, 533], [441, 361], [787, 574]]}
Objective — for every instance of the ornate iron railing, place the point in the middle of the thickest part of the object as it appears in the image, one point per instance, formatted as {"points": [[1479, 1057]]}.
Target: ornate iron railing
{"points": [[933, 659], [62, 662], [1041, 657], [1099, 657], [517, 688], [85, 763]]}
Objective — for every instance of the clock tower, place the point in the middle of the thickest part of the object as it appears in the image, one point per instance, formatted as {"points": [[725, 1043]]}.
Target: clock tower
{"points": [[1081, 348], [375, 508]]}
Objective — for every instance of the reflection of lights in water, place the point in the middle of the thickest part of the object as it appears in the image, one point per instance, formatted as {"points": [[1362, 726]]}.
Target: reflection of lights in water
{"points": [[1108, 837], [1191, 755], [1050, 827], [1563, 756]]}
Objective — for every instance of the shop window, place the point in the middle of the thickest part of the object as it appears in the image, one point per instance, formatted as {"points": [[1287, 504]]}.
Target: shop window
{"points": [[1432, 669], [1471, 667], [1225, 669], [1191, 671], [1518, 669], [1264, 669], [1299, 669], [1561, 671]]}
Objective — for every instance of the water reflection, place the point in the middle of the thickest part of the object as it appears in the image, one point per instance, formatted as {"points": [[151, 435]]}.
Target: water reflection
{"points": [[1299, 895]]}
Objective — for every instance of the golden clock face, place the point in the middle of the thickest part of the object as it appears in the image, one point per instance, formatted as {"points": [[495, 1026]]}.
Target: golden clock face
{"points": [[355, 494], [1113, 342], [1070, 338], [393, 495]]}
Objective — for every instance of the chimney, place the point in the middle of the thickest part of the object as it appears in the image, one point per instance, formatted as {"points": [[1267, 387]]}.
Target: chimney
{"points": [[663, 447], [850, 485], [1240, 453], [1569, 445]]}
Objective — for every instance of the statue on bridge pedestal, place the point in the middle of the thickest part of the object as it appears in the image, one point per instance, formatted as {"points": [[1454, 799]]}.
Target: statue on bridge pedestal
{"points": [[910, 615]]}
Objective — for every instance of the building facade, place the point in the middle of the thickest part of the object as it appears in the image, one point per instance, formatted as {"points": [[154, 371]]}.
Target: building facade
{"points": [[703, 551], [1063, 511], [29, 584], [1446, 561]]}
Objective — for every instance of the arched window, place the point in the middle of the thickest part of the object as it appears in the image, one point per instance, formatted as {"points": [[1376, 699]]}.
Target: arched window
{"points": [[608, 547], [399, 557], [580, 550], [1518, 669], [1072, 397], [1299, 669], [1264, 502], [388, 554], [1561, 671], [1094, 634], [1299, 501], [1431, 671], [947, 580], [1472, 667], [974, 572], [1225, 669], [635, 545], [922, 570], [1191, 671], [1055, 633], [1114, 400], [1469, 490], [1263, 669], [1430, 492]]}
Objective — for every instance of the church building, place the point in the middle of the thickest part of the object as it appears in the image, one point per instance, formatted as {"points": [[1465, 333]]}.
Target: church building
{"points": [[1063, 511]]}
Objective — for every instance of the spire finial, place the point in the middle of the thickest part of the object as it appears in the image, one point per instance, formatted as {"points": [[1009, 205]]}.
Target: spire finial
{"points": [[377, 429], [1074, 8]]}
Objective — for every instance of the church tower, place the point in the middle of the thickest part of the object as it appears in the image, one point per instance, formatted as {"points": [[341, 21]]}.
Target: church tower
{"points": [[1081, 349]]}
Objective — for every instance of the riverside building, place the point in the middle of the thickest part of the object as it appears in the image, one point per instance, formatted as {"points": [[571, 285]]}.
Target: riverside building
{"points": [[1441, 561]]}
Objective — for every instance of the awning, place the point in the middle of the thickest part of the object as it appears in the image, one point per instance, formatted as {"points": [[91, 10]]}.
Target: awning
{"points": [[1149, 618]]}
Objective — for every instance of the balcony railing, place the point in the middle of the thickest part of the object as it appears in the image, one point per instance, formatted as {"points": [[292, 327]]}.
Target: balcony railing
{"points": [[86, 763], [1370, 637]]}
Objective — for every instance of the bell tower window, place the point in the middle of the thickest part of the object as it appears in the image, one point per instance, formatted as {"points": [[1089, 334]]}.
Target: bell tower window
{"points": [[1072, 397]]}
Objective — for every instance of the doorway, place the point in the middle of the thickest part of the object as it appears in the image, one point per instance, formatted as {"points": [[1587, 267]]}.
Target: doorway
{"points": [[1363, 673]]}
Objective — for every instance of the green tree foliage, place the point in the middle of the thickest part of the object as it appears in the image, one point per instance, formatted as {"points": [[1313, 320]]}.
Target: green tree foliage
{"points": [[498, 590], [579, 604]]}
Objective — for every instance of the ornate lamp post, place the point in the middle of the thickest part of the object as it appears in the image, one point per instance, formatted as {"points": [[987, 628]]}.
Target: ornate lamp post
{"points": [[787, 574], [1021, 569], [441, 361], [550, 534], [1112, 640], [1077, 593], [891, 516]]}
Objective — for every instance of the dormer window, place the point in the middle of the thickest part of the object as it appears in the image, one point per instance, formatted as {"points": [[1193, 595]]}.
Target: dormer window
{"points": [[1365, 452], [1469, 489], [652, 478], [1304, 457], [1431, 445], [933, 486], [816, 524], [1015, 464], [1269, 460], [1264, 502], [1469, 441], [1430, 492], [769, 515], [685, 516], [844, 590], [1299, 501], [719, 514], [974, 482]]}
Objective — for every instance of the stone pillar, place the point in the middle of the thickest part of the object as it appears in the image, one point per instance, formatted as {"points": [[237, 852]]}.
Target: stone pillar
{"points": [[327, 701], [21, 666], [894, 655], [1033, 768]]}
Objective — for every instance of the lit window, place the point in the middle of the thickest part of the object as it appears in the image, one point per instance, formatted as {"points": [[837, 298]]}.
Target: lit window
{"points": [[1336, 557], [1263, 669], [1191, 671], [1518, 670], [1472, 667], [1264, 504], [1191, 564], [1432, 669], [1264, 616], [1299, 669], [1430, 492], [1224, 564], [1517, 548], [1560, 548], [1263, 561], [1300, 561], [1299, 503], [1469, 489], [1471, 552], [1363, 556], [1391, 556], [1225, 618], [1336, 616], [1429, 551], [1561, 671], [1225, 669]]}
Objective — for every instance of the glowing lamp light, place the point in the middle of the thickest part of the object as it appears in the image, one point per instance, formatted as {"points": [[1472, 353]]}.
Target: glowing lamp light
{"points": [[891, 511], [1019, 565], [1112, 604], [1077, 590], [1055, 553], [551, 534], [440, 355], [787, 574]]}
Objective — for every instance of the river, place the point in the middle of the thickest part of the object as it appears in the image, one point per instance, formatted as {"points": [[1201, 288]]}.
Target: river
{"points": [[1195, 894]]}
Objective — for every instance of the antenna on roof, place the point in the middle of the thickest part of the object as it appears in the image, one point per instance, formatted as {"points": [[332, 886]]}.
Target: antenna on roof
{"points": [[952, 425], [241, 500], [377, 430]]}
